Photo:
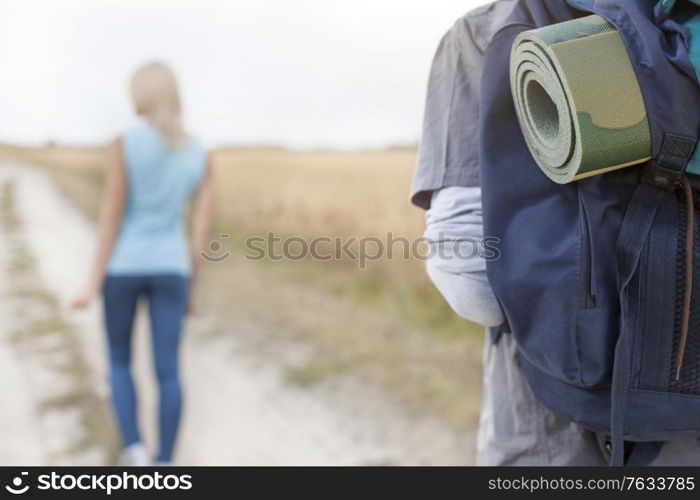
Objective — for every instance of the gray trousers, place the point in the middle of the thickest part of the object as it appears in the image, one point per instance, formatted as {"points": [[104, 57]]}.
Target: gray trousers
{"points": [[516, 429]]}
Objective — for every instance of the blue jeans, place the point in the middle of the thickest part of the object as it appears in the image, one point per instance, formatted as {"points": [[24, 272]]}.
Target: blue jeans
{"points": [[167, 297]]}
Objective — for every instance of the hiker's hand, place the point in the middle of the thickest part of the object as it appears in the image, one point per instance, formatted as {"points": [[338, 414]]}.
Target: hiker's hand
{"points": [[83, 300]]}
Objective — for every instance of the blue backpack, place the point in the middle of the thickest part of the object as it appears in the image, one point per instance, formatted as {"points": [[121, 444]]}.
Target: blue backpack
{"points": [[599, 280]]}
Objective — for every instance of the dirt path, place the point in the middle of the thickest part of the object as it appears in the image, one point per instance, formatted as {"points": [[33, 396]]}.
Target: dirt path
{"points": [[240, 407]]}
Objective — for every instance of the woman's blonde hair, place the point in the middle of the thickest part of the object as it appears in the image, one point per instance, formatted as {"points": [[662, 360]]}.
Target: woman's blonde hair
{"points": [[156, 97]]}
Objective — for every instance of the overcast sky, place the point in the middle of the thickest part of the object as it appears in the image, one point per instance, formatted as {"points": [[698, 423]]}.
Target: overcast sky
{"points": [[297, 73]]}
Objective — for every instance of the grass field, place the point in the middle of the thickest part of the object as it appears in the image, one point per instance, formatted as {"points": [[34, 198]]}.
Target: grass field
{"points": [[385, 322]]}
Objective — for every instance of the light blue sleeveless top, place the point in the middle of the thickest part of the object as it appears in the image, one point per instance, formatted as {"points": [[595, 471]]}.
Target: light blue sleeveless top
{"points": [[161, 181]]}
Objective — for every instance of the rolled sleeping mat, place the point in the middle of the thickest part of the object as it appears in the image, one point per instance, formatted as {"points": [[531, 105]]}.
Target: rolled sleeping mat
{"points": [[578, 100]]}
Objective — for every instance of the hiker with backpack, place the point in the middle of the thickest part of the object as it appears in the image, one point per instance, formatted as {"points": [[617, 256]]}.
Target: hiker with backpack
{"points": [[592, 357]]}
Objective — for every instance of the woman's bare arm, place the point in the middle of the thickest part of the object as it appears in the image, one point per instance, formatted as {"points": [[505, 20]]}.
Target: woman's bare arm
{"points": [[201, 219], [111, 213]]}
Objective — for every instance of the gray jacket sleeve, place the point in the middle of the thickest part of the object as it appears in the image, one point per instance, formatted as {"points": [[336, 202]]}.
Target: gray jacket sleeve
{"points": [[449, 148], [456, 264]]}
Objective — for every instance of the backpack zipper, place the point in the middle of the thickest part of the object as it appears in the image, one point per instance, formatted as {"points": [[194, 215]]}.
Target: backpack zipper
{"points": [[688, 290], [587, 298]]}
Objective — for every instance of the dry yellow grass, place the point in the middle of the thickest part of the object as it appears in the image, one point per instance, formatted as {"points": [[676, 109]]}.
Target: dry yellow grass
{"points": [[81, 170], [308, 193], [387, 322], [316, 193]]}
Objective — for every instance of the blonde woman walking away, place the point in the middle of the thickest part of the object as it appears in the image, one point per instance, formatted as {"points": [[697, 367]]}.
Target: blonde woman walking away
{"points": [[155, 170]]}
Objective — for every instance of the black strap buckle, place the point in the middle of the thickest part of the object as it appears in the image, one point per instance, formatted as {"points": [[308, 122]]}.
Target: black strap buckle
{"points": [[663, 178], [666, 170]]}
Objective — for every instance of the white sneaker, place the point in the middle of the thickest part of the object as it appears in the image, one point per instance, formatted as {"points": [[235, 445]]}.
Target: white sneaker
{"points": [[135, 455]]}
